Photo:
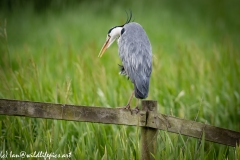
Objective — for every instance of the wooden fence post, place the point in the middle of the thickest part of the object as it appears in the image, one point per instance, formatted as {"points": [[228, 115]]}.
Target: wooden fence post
{"points": [[148, 135]]}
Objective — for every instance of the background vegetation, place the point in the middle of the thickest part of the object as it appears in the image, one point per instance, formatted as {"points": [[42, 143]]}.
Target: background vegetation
{"points": [[49, 53]]}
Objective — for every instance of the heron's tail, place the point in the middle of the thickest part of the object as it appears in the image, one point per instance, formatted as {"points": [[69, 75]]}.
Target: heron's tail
{"points": [[141, 88]]}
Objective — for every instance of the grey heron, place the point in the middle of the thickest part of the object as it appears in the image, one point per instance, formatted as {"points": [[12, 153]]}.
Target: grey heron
{"points": [[135, 51]]}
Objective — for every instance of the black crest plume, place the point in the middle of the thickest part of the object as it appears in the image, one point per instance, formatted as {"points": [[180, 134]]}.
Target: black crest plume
{"points": [[129, 17]]}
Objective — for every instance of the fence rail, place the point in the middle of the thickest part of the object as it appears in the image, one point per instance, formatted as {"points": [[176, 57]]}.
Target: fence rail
{"points": [[145, 118]]}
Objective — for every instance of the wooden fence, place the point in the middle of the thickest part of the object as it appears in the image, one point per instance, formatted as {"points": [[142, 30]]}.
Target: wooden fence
{"points": [[148, 119]]}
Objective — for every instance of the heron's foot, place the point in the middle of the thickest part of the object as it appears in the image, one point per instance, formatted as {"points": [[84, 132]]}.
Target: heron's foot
{"points": [[127, 107], [136, 110]]}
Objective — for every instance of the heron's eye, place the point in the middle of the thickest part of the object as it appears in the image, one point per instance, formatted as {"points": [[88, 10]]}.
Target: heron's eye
{"points": [[122, 31]]}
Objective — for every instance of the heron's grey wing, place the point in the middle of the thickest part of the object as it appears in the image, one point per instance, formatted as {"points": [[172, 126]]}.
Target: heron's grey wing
{"points": [[136, 56]]}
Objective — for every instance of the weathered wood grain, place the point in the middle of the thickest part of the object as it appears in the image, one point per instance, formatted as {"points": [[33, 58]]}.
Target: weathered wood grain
{"points": [[71, 112], [149, 135], [193, 129], [118, 116]]}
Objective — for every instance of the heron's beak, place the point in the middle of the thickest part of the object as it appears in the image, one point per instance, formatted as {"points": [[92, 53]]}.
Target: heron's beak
{"points": [[105, 46]]}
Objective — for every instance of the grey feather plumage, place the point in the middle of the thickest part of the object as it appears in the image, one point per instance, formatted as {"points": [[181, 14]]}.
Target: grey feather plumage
{"points": [[135, 52]]}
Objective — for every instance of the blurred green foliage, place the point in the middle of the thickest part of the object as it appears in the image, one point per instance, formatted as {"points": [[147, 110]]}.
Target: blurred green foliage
{"points": [[49, 53]]}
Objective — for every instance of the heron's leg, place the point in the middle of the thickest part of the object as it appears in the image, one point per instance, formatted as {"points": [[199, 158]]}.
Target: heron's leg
{"points": [[129, 101], [136, 109]]}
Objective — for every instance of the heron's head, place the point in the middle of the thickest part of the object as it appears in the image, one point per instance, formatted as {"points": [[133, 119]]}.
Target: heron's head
{"points": [[113, 34]]}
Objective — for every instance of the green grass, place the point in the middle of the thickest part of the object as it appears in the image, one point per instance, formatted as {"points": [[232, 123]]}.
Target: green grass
{"points": [[51, 56]]}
